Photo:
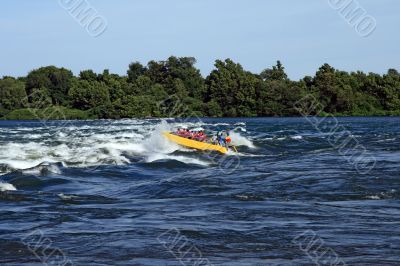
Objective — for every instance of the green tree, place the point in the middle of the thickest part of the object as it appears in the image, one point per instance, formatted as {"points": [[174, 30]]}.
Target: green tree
{"points": [[183, 69], [213, 109], [135, 106], [142, 85], [158, 92], [85, 95], [56, 80], [88, 75], [135, 70], [12, 94], [40, 98], [325, 83], [232, 88], [391, 93], [276, 73]]}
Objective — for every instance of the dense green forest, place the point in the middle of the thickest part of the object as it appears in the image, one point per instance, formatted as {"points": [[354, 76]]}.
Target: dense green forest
{"points": [[228, 91]]}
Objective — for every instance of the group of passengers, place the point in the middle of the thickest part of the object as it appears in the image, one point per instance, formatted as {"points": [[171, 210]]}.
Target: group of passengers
{"points": [[198, 135], [222, 138]]}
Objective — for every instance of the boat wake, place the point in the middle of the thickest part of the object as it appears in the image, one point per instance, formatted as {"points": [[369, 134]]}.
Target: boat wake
{"points": [[93, 144], [238, 140], [6, 187]]}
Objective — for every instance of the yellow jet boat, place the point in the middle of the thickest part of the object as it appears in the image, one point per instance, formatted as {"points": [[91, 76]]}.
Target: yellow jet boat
{"points": [[189, 143]]}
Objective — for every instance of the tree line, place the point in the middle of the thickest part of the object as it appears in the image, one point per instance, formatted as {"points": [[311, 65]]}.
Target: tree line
{"points": [[228, 91]]}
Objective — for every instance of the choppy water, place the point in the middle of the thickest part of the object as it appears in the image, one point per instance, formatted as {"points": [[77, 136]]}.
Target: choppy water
{"points": [[116, 193]]}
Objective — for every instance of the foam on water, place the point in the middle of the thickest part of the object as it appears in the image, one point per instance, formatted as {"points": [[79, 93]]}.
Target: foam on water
{"points": [[297, 137], [183, 159], [6, 187], [156, 142], [94, 144], [239, 140], [303, 182]]}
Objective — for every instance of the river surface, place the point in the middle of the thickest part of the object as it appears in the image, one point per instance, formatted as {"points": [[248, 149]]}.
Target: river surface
{"points": [[299, 192]]}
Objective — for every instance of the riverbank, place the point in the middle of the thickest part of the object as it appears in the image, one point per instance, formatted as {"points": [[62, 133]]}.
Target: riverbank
{"points": [[64, 113], [51, 113]]}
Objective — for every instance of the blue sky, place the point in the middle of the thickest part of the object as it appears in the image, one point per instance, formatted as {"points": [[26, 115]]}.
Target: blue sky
{"points": [[302, 34]]}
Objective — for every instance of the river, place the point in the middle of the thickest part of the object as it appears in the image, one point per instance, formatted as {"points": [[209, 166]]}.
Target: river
{"points": [[298, 192]]}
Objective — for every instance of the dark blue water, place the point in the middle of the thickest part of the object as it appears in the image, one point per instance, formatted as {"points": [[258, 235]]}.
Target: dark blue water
{"points": [[116, 193]]}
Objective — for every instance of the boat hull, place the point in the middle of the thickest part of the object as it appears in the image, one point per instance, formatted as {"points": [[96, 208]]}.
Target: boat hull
{"points": [[198, 145]]}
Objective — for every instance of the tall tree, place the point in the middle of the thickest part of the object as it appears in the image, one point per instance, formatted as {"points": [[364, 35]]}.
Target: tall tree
{"points": [[85, 95], [56, 80], [136, 69], [232, 88], [88, 75], [276, 73], [12, 94]]}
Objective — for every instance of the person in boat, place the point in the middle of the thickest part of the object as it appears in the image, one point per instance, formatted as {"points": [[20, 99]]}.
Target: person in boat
{"points": [[202, 136], [220, 138], [186, 133], [180, 132], [193, 135], [198, 135], [224, 139], [228, 140], [214, 140]]}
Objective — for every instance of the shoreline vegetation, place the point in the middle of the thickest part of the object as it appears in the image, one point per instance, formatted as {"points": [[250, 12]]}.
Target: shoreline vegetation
{"points": [[228, 91]]}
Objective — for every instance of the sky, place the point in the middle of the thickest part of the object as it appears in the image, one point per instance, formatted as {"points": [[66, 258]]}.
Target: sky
{"points": [[303, 34]]}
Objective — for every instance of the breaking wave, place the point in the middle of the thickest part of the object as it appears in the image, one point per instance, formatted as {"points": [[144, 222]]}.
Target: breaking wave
{"points": [[6, 187], [95, 143]]}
